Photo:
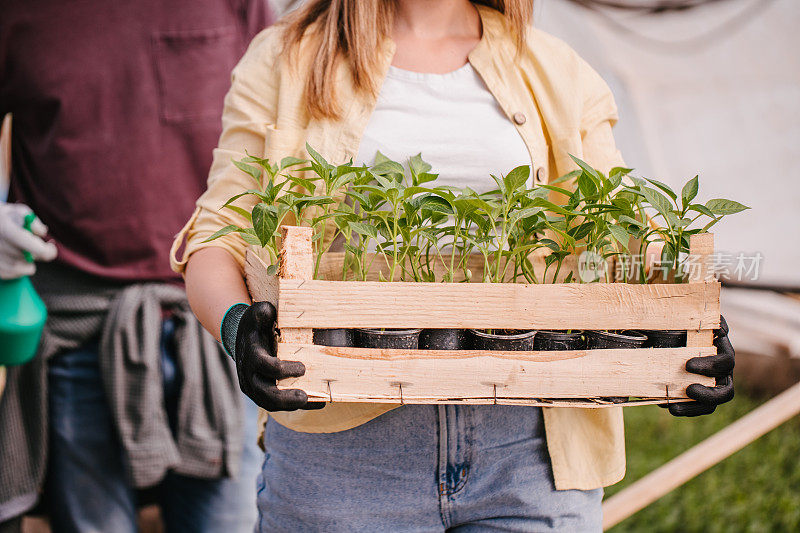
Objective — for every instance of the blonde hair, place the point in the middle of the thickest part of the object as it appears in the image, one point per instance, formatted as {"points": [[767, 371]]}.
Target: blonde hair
{"points": [[352, 31]]}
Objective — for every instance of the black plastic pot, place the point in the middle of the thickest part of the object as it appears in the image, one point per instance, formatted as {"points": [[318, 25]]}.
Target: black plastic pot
{"points": [[671, 338], [400, 339], [615, 339], [516, 341], [551, 340], [334, 337], [597, 340], [443, 339]]}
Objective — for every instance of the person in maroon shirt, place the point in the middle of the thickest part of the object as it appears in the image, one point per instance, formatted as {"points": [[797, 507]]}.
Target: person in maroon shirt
{"points": [[116, 110]]}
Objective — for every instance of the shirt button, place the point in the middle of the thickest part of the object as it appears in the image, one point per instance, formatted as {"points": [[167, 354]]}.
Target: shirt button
{"points": [[540, 175], [519, 118]]}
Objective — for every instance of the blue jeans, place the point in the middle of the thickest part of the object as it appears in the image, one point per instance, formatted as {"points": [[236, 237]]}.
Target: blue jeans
{"points": [[421, 468], [86, 489]]}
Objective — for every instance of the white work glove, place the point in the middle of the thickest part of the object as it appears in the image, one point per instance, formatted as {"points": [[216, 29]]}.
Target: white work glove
{"points": [[15, 240]]}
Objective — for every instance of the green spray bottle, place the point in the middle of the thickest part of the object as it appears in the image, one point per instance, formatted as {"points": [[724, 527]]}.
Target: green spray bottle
{"points": [[22, 316]]}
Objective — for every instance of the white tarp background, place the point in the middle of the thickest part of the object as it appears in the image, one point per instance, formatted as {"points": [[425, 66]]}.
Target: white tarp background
{"points": [[725, 105]]}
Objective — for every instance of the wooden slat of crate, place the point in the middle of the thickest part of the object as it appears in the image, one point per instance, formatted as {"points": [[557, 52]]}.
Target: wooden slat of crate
{"points": [[296, 265], [701, 247], [432, 376], [332, 304], [584, 403]]}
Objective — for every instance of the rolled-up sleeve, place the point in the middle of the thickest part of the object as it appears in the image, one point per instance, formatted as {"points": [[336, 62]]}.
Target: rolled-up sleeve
{"points": [[249, 110]]}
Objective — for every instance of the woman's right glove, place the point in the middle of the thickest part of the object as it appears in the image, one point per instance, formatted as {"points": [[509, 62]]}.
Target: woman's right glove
{"points": [[248, 335], [720, 366]]}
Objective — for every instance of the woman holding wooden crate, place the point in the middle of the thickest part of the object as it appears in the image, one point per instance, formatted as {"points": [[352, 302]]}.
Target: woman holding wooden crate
{"points": [[478, 90]]}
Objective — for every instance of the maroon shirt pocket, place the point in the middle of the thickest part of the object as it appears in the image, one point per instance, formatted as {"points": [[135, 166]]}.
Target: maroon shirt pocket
{"points": [[193, 68]]}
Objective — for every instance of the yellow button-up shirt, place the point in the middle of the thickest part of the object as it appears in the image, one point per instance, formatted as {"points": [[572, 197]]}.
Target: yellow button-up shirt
{"points": [[557, 102]]}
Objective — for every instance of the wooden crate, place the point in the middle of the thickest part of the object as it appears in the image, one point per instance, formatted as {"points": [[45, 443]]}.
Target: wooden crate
{"points": [[580, 378]]}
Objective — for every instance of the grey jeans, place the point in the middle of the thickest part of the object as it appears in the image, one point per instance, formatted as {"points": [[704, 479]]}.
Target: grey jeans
{"points": [[421, 468]]}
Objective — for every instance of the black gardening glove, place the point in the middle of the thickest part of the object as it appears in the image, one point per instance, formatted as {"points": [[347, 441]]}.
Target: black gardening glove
{"points": [[248, 334], [718, 366]]}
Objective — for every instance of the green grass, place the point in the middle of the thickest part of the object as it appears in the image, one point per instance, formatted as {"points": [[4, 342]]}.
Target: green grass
{"points": [[755, 490]]}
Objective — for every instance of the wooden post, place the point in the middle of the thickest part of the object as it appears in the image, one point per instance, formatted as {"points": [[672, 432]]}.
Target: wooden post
{"points": [[701, 248], [701, 457], [296, 262]]}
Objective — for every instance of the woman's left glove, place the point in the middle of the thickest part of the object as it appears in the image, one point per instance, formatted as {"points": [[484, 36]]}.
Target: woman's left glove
{"points": [[718, 366], [248, 334]]}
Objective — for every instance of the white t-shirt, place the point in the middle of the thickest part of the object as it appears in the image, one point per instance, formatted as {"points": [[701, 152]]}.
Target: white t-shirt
{"points": [[452, 119]]}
